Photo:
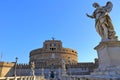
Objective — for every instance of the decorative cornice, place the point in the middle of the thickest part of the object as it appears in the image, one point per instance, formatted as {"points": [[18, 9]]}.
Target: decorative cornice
{"points": [[109, 43]]}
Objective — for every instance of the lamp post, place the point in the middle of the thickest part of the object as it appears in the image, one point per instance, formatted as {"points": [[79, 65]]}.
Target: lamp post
{"points": [[16, 59]]}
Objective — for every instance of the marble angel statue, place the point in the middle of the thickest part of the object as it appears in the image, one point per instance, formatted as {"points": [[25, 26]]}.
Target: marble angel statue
{"points": [[103, 23]]}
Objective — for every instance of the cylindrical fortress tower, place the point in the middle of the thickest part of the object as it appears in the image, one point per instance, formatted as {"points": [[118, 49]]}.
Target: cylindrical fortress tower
{"points": [[52, 53]]}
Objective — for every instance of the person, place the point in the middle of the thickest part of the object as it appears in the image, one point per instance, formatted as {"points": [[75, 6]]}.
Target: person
{"points": [[103, 23], [52, 74]]}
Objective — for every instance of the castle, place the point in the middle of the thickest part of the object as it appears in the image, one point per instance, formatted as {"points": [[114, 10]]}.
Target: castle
{"points": [[50, 57]]}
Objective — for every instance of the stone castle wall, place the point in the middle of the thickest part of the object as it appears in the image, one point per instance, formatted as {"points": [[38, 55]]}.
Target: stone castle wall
{"points": [[6, 69], [53, 53]]}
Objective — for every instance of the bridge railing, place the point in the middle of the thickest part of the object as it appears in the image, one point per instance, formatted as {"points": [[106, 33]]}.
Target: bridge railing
{"points": [[23, 78]]}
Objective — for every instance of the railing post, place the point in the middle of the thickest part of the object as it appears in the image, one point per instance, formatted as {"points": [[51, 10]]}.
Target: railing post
{"points": [[34, 77], [7, 78], [24, 77], [15, 78], [30, 78]]}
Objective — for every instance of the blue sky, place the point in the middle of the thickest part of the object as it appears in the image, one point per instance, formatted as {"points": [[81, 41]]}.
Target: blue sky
{"points": [[26, 24]]}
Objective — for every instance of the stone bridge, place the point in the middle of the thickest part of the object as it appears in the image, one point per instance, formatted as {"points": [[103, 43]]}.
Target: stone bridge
{"points": [[23, 78]]}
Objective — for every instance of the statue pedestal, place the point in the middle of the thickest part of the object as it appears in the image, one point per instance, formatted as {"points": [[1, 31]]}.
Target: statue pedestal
{"points": [[108, 54], [109, 60]]}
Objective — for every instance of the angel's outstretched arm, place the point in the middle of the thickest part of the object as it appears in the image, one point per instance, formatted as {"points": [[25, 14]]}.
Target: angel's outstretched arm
{"points": [[91, 16]]}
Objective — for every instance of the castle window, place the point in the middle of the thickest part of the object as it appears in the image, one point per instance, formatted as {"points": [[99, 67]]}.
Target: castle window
{"points": [[52, 45], [52, 49]]}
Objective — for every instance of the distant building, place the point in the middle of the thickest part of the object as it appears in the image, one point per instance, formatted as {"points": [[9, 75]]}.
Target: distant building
{"points": [[50, 58]]}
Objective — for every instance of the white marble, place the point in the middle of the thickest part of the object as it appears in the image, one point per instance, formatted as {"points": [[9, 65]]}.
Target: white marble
{"points": [[109, 61]]}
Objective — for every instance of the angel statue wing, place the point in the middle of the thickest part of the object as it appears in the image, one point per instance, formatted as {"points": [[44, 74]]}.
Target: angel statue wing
{"points": [[108, 6]]}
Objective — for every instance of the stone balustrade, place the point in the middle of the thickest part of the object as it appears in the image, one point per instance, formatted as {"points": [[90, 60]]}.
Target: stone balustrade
{"points": [[23, 78]]}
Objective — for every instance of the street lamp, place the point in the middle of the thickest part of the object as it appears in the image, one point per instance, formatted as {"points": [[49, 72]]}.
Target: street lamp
{"points": [[16, 59]]}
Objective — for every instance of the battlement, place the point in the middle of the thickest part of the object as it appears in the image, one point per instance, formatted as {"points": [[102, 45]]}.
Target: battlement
{"points": [[23, 66]]}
